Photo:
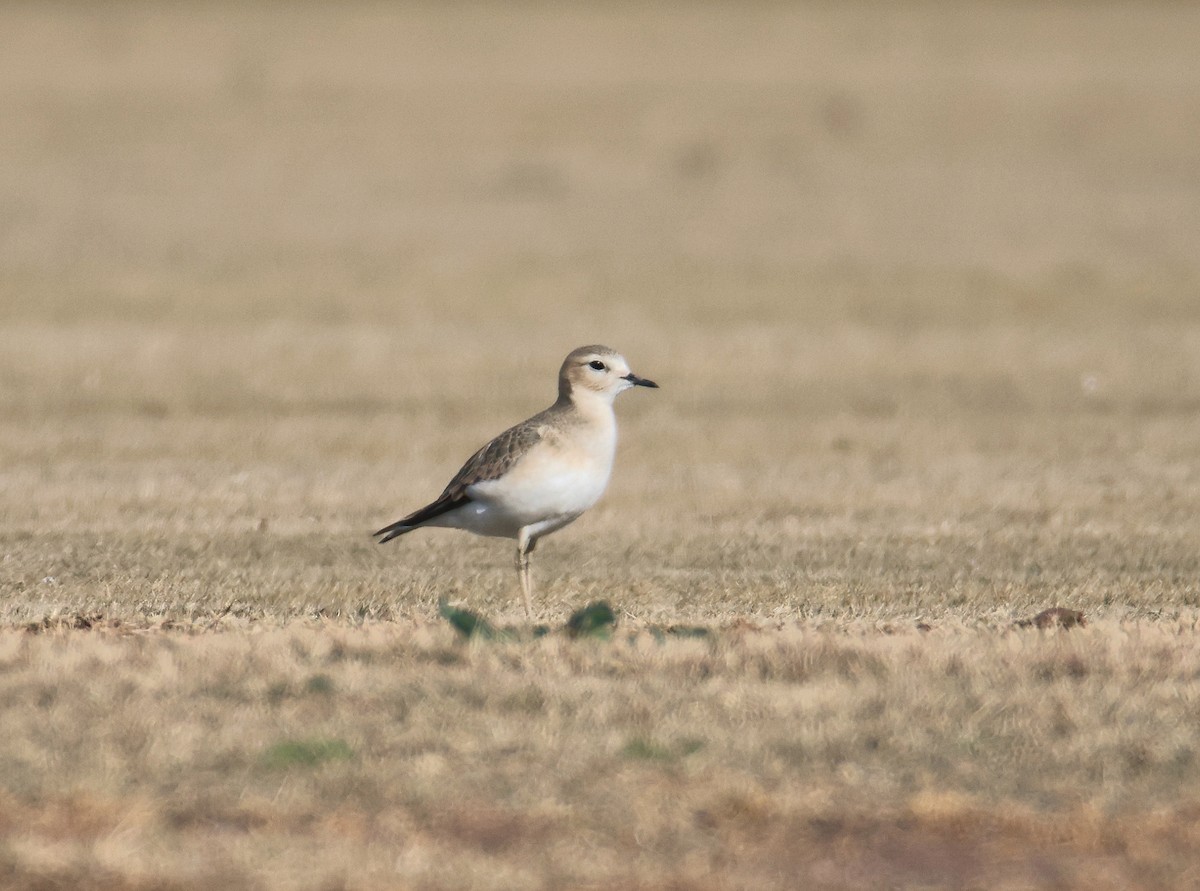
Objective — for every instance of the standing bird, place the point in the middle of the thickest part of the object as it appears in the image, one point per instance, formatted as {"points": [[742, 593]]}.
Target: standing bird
{"points": [[538, 476]]}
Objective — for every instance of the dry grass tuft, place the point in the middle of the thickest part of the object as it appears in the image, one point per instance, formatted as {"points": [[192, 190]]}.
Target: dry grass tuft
{"points": [[1055, 617]]}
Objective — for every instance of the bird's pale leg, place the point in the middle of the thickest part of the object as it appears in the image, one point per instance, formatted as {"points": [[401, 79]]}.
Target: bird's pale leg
{"points": [[525, 545]]}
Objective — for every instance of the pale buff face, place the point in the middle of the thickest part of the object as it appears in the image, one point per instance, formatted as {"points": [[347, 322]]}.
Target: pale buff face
{"points": [[599, 370]]}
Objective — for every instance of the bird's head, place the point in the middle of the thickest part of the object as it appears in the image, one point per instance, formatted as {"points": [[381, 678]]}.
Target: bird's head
{"points": [[597, 370]]}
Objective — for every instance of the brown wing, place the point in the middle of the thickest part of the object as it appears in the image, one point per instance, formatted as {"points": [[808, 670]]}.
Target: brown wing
{"points": [[490, 462], [494, 459]]}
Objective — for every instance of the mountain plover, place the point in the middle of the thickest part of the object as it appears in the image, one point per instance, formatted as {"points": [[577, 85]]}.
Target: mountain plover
{"points": [[538, 476]]}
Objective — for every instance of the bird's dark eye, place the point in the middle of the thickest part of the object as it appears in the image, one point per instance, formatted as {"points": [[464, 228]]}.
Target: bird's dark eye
{"points": [[596, 364]]}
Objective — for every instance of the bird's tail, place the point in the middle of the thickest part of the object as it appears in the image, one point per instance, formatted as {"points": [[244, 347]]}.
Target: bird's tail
{"points": [[394, 531], [414, 520]]}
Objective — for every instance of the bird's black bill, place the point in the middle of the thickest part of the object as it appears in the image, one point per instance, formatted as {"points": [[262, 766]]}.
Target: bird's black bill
{"points": [[640, 381]]}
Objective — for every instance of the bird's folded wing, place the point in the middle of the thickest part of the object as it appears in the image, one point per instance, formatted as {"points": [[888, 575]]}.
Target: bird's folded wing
{"points": [[489, 463], [493, 460]]}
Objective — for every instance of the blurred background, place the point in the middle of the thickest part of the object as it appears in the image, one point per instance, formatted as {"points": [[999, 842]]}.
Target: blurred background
{"points": [[261, 262], [588, 171]]}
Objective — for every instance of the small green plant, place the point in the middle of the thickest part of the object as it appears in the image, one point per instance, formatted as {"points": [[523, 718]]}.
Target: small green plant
{"points": [[319, 684], [690, 746], [305, 753], [594, 620], [467, 623], [646, 750]]}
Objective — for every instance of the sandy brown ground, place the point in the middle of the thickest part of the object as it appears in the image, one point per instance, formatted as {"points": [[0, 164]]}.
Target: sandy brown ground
{"points": [[921, 284]]}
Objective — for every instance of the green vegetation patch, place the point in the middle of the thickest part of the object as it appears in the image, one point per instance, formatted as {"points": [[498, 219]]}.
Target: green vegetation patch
{"points": [[320, 685], [594, 620], [305, 753], [468, 623], [641, 748]]}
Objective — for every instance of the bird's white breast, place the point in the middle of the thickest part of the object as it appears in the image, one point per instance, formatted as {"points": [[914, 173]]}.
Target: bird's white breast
{"points": [[561, 477]]}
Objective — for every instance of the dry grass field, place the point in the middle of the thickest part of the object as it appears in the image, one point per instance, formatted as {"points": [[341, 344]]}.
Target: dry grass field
{"points": [[921, 285]]}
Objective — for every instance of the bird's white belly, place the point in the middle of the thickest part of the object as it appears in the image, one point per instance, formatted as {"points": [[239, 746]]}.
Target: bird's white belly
{"points": [[546, 493]]}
